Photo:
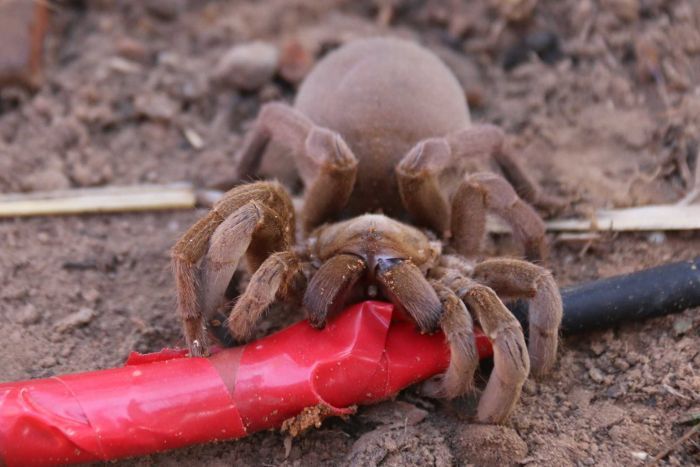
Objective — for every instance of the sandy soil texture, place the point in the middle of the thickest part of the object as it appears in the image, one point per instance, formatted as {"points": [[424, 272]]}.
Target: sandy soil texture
{"points": [[601, 97]]}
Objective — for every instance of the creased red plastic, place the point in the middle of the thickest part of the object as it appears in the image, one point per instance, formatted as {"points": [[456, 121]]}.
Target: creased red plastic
{"points": [[163, 401]]}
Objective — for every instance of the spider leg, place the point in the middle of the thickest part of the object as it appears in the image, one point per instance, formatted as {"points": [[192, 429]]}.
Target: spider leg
{"points": [[330, 286], [493, 139], [325, 162], [482, 192], [523, 182], [511, 360], [254, 219], [280, 275], [430, 173], [520, 279], [436, 193], [458, 326], [424, 176], [406, 286]]}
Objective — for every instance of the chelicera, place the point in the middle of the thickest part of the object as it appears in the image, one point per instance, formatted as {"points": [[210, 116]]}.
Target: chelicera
{"points": [[381, 136]]}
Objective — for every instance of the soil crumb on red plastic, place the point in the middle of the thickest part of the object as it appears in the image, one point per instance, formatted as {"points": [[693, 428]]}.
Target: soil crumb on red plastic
{"points": [[310, 417]]}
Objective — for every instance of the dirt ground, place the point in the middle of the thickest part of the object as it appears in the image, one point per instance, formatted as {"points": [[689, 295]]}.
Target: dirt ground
{"points": [[602, 98]]}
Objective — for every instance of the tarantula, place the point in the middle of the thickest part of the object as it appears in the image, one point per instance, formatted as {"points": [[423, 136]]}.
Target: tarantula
{"points": [[380, 126]]}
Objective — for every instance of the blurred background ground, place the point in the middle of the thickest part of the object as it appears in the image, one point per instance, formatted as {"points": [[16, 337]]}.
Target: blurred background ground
{"points": [[601, 97]]}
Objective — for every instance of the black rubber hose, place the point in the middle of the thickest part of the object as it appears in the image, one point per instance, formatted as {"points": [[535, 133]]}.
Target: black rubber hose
{"points": [[658, 291]]}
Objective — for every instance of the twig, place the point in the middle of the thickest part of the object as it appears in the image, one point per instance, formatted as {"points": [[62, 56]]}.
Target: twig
{"points": [[95, 200], [645, 218], [688, 434], [183, 196]]}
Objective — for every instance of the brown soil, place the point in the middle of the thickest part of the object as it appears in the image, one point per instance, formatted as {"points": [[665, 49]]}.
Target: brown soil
{"points": [[601, 96]]}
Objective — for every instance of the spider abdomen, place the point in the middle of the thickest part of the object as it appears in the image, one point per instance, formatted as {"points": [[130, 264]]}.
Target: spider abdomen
{"points": [[382, 96]]}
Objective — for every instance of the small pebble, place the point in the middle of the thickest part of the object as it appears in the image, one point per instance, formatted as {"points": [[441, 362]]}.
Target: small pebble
{"points": [[621, 364], [156, 106], [165, 9], [295, 61], [545, 44], [90, 295], [67, 350], [46, 180], [597, 347], [28, 315], [596, 375], [74, 320], [682, 325], [656, 238], [627, 10], [247, 66], [132, 49], [616, 391], [488, 445], [47, 362], [530, 387]]}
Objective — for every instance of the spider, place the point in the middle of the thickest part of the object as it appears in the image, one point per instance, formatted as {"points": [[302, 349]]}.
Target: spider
{"points": [[381, 136]]}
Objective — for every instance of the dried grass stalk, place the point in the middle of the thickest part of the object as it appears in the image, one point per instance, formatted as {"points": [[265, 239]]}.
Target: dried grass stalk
{"points": [[97, 200]]}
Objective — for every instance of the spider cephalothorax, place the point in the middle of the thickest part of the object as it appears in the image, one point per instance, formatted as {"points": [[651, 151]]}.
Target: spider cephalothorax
{"points": [[380, 125]]}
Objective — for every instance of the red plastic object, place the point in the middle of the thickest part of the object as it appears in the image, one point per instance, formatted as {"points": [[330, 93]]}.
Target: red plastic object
{"points": [[164, 400]]}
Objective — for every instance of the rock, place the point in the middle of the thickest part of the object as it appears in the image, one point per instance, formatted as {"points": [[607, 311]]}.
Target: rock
{"points": [[247, 66], [616, 391], [596, 375], [89, 166], [488, 445], [28, 315], [156, 106], [90, 295], [580, 398], [530, 387], [621, 364], [165, 9], [682, 325], [545, 44], [132, 49], [597, 347], [399, 445], [47, 362], [604, 415], [656, 238], [515, 10], [627, 10], [398, 412], [46, 180], [296, 61], [23, 26], [74, 320]]}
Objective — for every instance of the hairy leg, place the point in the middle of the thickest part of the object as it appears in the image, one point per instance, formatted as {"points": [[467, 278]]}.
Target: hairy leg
{"points": [[330, 286], [436, 194], [406, 286], [520, 279], [523, 183], [325, 162], [432, 170], [482, 192], [492, 140], [278, 277], [511, 361], [457, 324], [256, 219]]}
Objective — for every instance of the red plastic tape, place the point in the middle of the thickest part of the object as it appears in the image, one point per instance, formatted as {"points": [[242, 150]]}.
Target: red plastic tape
{"points": [[163, 401]]}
